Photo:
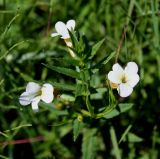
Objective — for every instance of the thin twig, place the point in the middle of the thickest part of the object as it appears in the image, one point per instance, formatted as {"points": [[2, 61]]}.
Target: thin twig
{"points": [[23, 141], [130, 10], [120, 43]]}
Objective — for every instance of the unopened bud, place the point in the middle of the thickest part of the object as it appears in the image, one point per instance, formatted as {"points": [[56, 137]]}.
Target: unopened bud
{"points": [[80, 118], [69, 44]]}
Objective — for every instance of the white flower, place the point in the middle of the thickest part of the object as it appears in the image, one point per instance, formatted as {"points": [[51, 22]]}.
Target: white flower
{"points": [[62, 29], [124, 79], [34, 93]]}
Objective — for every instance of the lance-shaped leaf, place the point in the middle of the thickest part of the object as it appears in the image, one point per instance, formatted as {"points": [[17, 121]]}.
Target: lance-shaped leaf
{"points": [[74, 38], [129, 136], [104, 61], [115, 150], [77, 126], [66, 71], [95, 48], [68, 61], [64, 86], [89, 145], [52, 108], [134, 138], [123, 107]]}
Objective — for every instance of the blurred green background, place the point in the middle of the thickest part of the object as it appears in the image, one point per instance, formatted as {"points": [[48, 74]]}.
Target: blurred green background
{"points": [[25, 44]]}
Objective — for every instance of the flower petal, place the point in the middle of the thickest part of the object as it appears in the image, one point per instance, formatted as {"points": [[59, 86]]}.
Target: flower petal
{"points": [[61, 29], [47, 93], [35, 102], [124, 90], [54, 34], [115, 76], [25, 98], [131, 68], [117, 68], [33, 88], [71, 24], [133, 79]]}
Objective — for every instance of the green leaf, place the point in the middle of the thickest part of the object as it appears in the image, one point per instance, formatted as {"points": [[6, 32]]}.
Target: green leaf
{"points": [[85, 75], [120, 109], [125, 133], [74, 39], [128, 136], [134, 138], [89, 145], [51, 107], [99, 93], [66, 71], [1, 81], [95, 48], [8, 27], [77, 125], [155, 22], [68, 61], [80, 90], [3, 157], [116, 150], [125, 106], [4, 134], [67, 97], [64, 86], [10, 49], [104, 61]]}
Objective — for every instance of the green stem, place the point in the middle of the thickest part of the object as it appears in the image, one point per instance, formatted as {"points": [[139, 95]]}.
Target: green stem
{"points": [[85, 112], [89, 107], [105, 112]]}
